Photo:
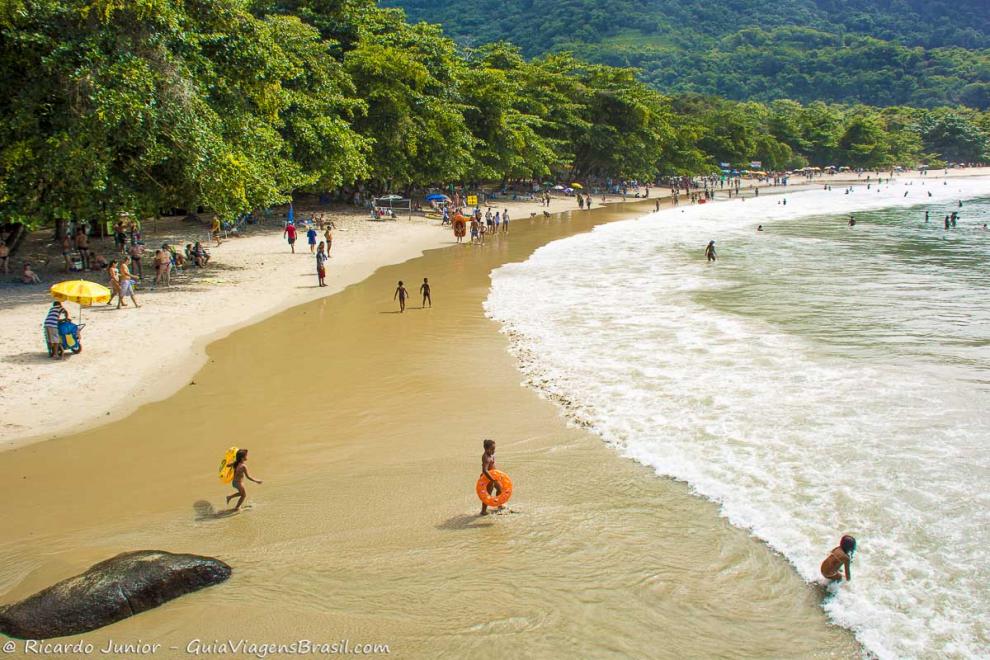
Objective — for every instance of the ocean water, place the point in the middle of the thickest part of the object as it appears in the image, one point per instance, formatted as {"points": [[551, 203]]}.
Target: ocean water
{"points": [[817, 380]]}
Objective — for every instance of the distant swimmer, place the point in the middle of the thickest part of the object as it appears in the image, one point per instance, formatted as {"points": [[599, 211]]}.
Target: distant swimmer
{"points": [[946, 222], [488, 463], [839, 559], [926, 216], [401, 293], [710, 251], [984, 226], [759, 228], [852, 221], [906, 193], [424, 288], [240, 474]]}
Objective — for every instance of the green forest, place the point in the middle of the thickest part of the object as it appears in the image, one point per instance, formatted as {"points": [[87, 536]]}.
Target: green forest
{"points": [[137, 106], [923, 53]]}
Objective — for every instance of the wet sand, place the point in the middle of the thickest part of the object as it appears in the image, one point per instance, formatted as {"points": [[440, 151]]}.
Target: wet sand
{"points": [[366, 427]]}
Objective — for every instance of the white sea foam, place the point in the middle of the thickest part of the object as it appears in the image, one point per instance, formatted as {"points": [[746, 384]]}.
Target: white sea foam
{"points": [[837, 381]]}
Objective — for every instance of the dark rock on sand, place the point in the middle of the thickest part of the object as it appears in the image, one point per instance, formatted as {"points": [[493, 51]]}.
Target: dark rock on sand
{"points": [[112, 590]]}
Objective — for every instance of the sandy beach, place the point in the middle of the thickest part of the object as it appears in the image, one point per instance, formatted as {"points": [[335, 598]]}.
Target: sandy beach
{"points": [[132, 356], [366, 427]]}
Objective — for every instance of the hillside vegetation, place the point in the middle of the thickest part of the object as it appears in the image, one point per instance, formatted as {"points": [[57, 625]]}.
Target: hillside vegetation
{"points": [[115, 106], [924, 53]]}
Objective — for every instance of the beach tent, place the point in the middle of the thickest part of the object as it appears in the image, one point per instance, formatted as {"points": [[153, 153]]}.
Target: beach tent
{"points": [[393, 202]]}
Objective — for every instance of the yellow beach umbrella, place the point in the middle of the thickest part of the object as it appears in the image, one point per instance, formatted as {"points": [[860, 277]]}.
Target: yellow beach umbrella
{"points": [[82, 292], [577, 186]]}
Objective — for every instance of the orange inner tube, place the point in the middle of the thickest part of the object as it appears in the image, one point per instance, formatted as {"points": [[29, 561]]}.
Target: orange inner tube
{"points": [[504, 483]]}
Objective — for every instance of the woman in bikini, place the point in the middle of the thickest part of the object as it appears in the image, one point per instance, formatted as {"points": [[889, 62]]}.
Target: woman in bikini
{"points": [[240, 474]]}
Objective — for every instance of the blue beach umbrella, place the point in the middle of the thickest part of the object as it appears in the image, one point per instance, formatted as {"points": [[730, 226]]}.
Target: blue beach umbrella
{"points": [[436, 197]]}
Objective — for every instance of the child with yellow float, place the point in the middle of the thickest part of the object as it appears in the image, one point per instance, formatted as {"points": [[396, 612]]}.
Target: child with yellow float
{"points": [[491, 480]]}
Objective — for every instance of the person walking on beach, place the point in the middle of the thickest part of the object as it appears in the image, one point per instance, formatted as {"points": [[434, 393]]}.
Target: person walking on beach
{"points": [[839, 559], [424, 288], [710, 251], [290, 235], [126, 284], [401, 293], [114, 274], [240, 474], [311, 239], [505, 221], [488, 463], [321, 260], [215, 229]]}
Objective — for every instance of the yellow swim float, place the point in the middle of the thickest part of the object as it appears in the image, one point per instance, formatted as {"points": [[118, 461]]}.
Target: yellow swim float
{"points": [[227, 465], [504, 483]]}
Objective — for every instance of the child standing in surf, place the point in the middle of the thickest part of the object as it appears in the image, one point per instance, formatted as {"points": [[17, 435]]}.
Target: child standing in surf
{"points": [[488, 463], [240, 473]]}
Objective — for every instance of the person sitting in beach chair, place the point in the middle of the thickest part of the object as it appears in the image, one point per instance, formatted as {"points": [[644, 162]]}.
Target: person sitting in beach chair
{"points": [[202, 253]]}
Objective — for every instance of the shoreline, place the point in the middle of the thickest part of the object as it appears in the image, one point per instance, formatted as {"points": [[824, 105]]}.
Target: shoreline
{"points": [[130, 377], [597, 553]]}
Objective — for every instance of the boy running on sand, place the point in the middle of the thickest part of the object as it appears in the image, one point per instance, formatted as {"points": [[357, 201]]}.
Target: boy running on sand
{"points": [[401, 293], [488, 463], [424, 288], [240, 473]]}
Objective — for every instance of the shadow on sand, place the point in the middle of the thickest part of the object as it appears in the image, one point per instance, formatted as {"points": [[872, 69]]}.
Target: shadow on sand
{"points": [[205, 511], [466, 521]]}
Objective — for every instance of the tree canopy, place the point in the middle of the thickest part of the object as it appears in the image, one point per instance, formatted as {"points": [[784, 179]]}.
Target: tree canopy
{"points": [[136, 106]]}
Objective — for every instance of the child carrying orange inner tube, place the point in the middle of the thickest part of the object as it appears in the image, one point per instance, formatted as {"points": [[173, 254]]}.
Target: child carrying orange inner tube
{"points": [[505, 487]]}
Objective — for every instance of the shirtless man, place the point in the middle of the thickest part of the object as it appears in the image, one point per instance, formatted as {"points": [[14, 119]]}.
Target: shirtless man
{"points": [[126, 284], [838, 559], [488, 463]]}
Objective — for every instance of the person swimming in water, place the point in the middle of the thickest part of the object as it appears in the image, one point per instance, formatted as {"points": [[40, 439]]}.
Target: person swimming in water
{"points": [[710, 251], [852, 221], [240, 474], [839, 559], [488, 463]]}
